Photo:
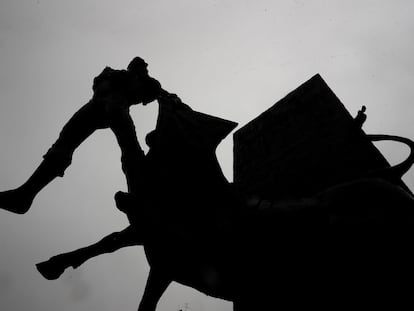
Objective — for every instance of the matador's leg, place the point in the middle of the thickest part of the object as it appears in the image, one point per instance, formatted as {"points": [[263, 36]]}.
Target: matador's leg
{"points": [[82, 124], [132, 156]]}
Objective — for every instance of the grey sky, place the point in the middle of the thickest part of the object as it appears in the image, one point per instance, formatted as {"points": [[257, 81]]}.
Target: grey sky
{"points": [[230, 58]]}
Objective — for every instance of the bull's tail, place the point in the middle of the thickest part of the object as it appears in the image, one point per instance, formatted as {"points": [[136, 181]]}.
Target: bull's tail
{"points": [[397, 171]]}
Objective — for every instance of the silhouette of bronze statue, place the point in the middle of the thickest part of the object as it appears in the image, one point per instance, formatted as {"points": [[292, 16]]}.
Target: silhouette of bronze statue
{"points": [[114, 91], [246, 250], [343, 246]]}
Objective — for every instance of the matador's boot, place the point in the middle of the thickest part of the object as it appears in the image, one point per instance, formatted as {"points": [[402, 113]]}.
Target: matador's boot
{"points": [[19, 200], [139, 214], [127, 203]]}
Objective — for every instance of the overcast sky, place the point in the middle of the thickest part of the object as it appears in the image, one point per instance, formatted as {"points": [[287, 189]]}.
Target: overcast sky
{"points": [[230, 58]]}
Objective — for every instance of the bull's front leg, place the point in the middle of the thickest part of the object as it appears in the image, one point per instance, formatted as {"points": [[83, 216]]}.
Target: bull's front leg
{"points": [[55, 266], [156, 285]]}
